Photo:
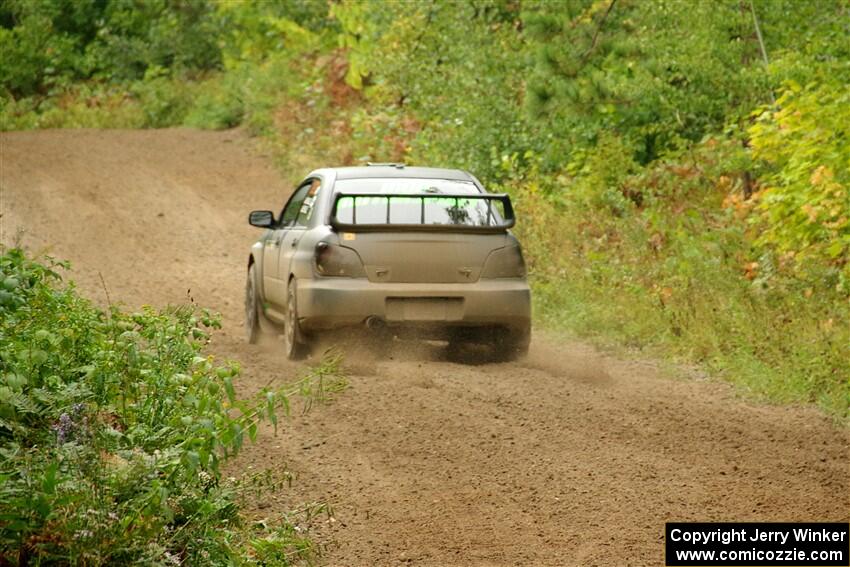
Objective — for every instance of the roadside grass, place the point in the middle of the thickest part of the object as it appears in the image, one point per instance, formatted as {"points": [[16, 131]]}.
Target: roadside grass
{"points": [[675, 286], [113, 429], [732, 346]]}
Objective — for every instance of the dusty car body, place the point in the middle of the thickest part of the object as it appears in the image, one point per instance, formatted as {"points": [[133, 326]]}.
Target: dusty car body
{"points": [[392, 249]]}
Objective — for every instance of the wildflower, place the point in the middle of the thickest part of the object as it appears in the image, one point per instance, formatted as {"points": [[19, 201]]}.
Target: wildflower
{"points": [[63, 428], [205, 478]]}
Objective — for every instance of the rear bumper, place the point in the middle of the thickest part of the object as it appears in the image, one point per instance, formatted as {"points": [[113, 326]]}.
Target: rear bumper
{"points": [[329, 303]]}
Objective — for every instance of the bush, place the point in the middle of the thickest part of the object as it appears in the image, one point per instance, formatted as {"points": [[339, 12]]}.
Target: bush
{"points": [[47, 44], [444, 80], [112, 429], [164, 101], [803, 213], [217, 106]]}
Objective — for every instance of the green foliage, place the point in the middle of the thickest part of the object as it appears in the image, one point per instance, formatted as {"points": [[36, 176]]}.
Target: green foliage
{"points": [[152, 64], [455, 67], [666, 268], [43, 44], [803, 212], [163, 101], [601, 174], [112, 429], [255, 31], [661, 74], [83, 105], [654, 72], [46, 44], [216, 107], [806, 40]]}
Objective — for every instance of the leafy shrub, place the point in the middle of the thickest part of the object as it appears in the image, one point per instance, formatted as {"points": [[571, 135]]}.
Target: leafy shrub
{"points": [[653, 72], [164, 101], [256, 31], [216, 107], [50, 43], [112, 430], [803, 211], [444, 78], [37, 54]]}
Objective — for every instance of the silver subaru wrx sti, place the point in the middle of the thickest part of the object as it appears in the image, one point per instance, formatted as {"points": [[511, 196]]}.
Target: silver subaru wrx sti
{"points": [[393, 249]]}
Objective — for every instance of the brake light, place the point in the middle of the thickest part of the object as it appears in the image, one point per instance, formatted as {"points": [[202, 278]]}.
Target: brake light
{"points": [[333, 260], [504, 262]]}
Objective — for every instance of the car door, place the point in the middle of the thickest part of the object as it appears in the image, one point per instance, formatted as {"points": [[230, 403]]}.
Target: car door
{"points": [[274, 274], [289, 243]]}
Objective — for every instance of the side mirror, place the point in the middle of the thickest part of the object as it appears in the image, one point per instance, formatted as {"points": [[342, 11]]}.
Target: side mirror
{"points": [[261, 219]]}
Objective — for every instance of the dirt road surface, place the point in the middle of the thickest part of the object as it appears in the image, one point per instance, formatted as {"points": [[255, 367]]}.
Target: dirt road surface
{"points": [[571, 457]]}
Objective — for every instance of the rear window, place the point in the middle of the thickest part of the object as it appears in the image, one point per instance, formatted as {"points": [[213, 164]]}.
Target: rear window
{"points": [[390, 205]]}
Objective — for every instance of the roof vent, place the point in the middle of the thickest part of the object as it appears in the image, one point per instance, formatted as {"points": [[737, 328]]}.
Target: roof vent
{"points": [[388, 164]]}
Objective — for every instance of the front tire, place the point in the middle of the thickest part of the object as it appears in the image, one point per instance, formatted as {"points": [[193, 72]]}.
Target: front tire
{"points": [[295, 343], [252, 308]]}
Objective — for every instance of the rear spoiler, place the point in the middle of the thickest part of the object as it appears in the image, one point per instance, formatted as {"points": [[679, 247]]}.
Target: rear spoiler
{"points": [[494, 222]]}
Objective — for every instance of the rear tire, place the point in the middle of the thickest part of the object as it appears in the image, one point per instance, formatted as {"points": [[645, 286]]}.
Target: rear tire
{"points": [[511, 344], [499, 344], [459, 341], [253, 330], [295, 343]]}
